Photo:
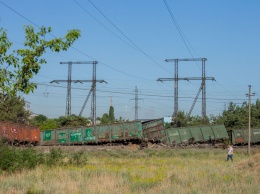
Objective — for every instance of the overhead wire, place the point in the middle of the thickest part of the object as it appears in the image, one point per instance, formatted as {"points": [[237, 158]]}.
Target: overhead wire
{"points": [[184, 39], [135, 45], [72, 46], [101, 62], [141, 94], [91, 15]]}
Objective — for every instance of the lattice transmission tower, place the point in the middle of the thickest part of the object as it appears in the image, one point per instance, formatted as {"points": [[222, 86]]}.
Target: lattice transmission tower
{"points": [[202, 88]]}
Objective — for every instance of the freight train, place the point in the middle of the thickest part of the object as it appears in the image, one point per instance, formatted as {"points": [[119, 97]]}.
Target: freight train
{"points": [[126, 132], [18, 134]]}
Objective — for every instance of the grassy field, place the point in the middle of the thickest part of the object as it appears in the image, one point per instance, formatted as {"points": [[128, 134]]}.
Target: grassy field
{"points": [[150, 170]]}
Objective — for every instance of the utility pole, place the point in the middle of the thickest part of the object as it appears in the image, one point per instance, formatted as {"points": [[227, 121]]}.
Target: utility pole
{"points": [[249, 117], [93, 102], [136, 103], [69, 81], [202, 88]]}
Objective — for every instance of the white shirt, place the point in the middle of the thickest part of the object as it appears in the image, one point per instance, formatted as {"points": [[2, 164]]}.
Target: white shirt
{"points": [[230, 151]]}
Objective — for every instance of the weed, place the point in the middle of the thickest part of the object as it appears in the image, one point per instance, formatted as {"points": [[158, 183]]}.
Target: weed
{"points": [[78, 159], [54, 157], [34, 191]]}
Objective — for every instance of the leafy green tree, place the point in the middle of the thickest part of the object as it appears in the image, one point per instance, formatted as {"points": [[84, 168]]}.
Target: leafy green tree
{"points": [[49, 124], [105, 119], [196, 120], [40, 118], [182, 119], [12, 109], [18, 67], [111, 114], [120, 119], [185, 120], [236, 117], [72, 121]]}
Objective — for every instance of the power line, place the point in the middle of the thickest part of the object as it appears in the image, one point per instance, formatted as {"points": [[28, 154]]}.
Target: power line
{"points": [[184, 39], [20, 14], [72, 46], [135, 45], [143, 94], [103, 25]]}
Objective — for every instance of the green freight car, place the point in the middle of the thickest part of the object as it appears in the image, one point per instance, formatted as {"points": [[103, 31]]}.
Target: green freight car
{"points": [[98, 134], [153, 130], [195, 135], [240, 136]]}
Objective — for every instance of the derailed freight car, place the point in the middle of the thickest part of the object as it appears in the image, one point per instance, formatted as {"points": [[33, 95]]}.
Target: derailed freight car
{"points": [[153, 130], [195, 135], [240, 136], [18, 134], [99, 134]]}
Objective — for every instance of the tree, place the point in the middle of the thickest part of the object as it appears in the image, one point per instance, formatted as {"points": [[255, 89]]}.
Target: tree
{"points": [[105, 119], [49, 124], [19, 66], [236, 117], [70, 121], [40, 118], [111, 114], [184, 120], [73, 121], [12, 109], [25, 63]]}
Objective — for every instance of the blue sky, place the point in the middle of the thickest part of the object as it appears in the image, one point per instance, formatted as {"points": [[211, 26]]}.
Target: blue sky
{"points": [[224, 32]]}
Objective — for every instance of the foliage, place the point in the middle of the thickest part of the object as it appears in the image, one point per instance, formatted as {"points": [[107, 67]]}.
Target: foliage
{"points": [[110, 117], [150, 171], [13, 159], [54, 157], [105, 119], [40, 118], [78, 158], [12, 109], [49, 124], [237, 116], [72, 121], [111, 114], [33, 190], [19, 67], [184, 120]]}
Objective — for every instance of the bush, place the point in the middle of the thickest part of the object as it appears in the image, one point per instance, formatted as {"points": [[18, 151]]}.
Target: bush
{"points": [[13, 159], [54, 157], [78, 159], [16, 159]]}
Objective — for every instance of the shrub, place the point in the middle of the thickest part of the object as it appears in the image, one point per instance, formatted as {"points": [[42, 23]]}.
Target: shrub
{"points": [[78, 159], [54, 157], [14, 159]]}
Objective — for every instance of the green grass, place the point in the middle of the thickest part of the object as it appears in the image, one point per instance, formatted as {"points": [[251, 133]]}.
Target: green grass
{"points": [[139, 171]]}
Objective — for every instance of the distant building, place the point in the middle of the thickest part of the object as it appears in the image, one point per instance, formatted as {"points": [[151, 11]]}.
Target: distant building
{"points": [[27, 106], [167, 119]]}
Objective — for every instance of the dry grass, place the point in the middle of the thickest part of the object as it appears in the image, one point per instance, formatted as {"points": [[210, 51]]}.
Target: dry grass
{"points": [[145, 171]]}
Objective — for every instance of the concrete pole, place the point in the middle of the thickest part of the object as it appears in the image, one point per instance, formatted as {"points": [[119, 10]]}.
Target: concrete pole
{"points": [[249, 118]]}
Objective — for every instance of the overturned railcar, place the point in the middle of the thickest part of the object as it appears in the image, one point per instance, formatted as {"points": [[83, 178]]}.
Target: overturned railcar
{"points": [[195, 135], [153, 130]]}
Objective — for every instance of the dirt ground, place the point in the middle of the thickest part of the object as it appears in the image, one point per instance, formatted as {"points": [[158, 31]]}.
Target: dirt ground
{"points": [[131, 147]]}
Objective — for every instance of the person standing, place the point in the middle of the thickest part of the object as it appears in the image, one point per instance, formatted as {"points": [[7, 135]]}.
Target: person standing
{"points": [[230, 153]]}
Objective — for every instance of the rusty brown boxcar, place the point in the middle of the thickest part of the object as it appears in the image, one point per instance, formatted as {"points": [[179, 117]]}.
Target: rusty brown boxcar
{"points": [[18, 134], [240, 136]]}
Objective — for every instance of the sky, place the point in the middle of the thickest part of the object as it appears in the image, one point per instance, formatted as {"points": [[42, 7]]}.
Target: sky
{"points": [[131, 40]]}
